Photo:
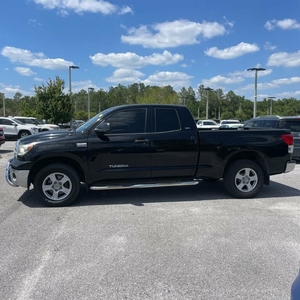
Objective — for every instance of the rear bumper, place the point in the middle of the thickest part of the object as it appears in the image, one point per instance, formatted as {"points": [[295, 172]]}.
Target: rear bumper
{"points": [[290, 166], [16, 177]]}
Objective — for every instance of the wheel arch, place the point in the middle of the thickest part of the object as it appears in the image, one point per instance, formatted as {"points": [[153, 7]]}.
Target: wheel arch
{"points": [[23, 130], [39, 165], [255, 156]]}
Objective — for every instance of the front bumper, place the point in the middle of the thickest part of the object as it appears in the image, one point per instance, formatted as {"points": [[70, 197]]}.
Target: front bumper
{"points": [[16, 177], [290, 166]]}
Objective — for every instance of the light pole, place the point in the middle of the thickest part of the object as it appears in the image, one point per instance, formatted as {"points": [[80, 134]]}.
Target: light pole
{"points": [[271, 104], [3, 100], [89, 102], [255, 88], [207, 92], [70, 82]]}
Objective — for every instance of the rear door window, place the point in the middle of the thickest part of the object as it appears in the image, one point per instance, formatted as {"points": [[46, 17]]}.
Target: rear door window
{"points": [[270, 123], [166, 119], [293, 125], [258, 123]]}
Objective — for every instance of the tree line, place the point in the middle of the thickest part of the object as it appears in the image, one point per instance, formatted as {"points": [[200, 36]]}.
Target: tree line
{"points": [[52, 104]]}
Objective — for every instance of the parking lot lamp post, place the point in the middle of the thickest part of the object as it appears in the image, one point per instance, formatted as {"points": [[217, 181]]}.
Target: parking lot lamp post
{"points": [[255, 88], [3, 100], [207, 92], [89, 102], [271, 104], [70, 82]]}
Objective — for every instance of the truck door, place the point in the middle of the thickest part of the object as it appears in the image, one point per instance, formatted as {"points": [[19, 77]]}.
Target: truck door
{"points": [[174, 145], [124, 152]]}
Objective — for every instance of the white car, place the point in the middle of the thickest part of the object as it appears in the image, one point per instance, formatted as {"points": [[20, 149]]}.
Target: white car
{"points": [[207, 124], [16, 129], [38, 123], [231, 123]]}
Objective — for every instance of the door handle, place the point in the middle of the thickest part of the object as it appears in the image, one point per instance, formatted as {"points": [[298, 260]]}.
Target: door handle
{"points": [[142, 141]]}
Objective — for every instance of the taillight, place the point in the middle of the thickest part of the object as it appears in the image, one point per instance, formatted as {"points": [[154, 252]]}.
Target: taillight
{"points": [[289, 140]]}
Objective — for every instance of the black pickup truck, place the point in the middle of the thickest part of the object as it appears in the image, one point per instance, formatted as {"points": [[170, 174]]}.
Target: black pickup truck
{"points": [[143, 146]]}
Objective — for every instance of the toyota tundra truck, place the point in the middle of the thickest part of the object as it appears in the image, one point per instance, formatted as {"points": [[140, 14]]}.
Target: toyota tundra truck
{"points": [[147, 146]]}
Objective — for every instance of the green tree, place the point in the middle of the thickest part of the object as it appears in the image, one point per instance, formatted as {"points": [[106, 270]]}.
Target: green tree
{"points": [[52, 103], [159, 95], [27, 107]]}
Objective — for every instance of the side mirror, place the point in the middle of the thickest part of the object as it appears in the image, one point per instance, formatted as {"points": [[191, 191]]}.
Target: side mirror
{"points": [[103, 128]]}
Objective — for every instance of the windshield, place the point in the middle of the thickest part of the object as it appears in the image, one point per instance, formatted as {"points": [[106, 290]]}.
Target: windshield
{"points": [[94, 119], [36, 121]]}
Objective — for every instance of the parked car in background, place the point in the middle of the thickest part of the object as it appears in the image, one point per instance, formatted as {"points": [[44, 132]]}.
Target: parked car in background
{"points": [[37, 122], [207, 124], [231, 126], [16, 129], [71, 125], [287, 122], [231, 123], [2, 136]]}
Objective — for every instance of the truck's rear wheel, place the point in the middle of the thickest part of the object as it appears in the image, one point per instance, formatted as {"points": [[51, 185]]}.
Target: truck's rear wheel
{"points": [[244, 179], [57, 185]]}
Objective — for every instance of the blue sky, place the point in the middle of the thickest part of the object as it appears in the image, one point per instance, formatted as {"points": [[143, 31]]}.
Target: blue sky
{"points": [[166, 42]]}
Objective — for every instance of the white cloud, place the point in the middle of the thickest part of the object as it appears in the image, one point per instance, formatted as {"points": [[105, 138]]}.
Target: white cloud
{"points": [[128, 76], [285, 24], [246, 73], [125, 76], [24, 71], [175, 79], [219, 80], [10, 90], [285, 81], [81, 6], [230, 24], [232, 52], [173, 34], [284, 59], [269, 46], [38, 79], [17, 55], [77, 86], [34, 22], [276, 83], [132, 60]]}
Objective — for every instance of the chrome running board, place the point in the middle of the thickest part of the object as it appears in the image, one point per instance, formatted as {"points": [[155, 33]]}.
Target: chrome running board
{"points": [[142, 186]]}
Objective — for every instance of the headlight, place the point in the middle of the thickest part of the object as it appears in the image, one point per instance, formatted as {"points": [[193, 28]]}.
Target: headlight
{"points": [[22, 149], [34, 129]]}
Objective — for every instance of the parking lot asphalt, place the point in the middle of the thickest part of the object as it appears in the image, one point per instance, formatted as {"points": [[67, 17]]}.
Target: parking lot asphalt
{"points": [[166, 243]]}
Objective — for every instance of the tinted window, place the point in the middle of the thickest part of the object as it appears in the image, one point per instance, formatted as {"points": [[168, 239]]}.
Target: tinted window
{"points": [[6, 122], [249, 124], [258, 123], [209, 123], [293, 125], [270, 123], [166, 120], [128, 121]]}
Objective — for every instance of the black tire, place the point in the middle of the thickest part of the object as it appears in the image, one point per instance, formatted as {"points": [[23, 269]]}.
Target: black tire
{"points": [[57, 185], [24, 133], [243, 178]]}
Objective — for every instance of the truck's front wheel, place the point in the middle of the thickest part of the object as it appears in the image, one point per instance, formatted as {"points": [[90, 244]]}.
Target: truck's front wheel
{"points": [[243, 179], [57, 185]]}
